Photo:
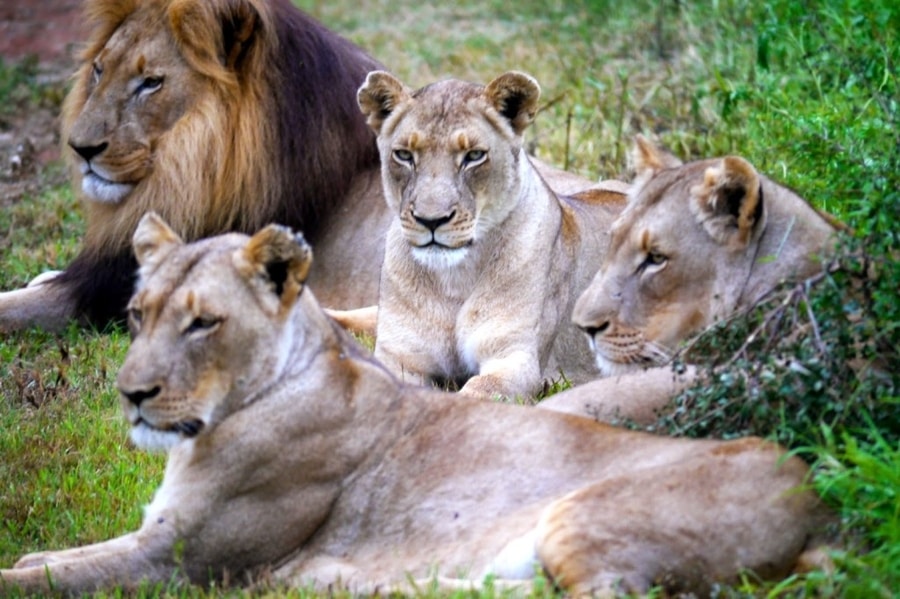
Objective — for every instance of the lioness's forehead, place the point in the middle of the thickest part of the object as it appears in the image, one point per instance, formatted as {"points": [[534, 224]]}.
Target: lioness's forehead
{"points": [[663, 197], [211, 258], [445, 106]]}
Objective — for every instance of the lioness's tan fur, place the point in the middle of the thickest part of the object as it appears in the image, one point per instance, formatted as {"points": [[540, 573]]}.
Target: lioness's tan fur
{"points": [[483, 260], [293, 453], [697, 243]]}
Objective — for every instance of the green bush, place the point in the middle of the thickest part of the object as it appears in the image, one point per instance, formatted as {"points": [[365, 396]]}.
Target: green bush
{"points": [[816, 365]]}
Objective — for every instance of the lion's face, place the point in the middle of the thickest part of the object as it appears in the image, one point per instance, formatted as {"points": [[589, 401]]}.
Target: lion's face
{"points": [[679, 256], [450, 175], [129, 93], [209, 326]]}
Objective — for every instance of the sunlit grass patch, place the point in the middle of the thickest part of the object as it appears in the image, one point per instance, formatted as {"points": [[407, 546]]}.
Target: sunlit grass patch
{"points": [[68, 475]]}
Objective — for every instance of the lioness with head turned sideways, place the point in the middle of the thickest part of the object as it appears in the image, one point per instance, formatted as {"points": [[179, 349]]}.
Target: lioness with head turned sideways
{"points": [[698, 242], [483, 261], [293, 453]]}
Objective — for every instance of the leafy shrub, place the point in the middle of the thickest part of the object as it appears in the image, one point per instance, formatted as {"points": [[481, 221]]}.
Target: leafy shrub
{"points": [[823, 351]]}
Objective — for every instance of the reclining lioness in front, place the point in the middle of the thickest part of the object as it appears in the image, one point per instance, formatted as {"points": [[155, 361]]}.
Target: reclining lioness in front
{"points": [[294, 453], [483, 261]]}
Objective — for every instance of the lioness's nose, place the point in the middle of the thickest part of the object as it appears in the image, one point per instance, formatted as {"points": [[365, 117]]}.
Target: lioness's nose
{"points": [[137, 396], [87, 151], [433, 223]]}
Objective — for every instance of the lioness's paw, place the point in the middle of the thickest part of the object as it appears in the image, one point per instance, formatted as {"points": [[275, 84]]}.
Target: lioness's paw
{"points": [[488, 386]]}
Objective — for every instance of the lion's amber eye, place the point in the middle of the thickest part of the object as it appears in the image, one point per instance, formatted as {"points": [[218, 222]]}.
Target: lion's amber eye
{"points": [[149, 85], [402, 155], [474, 156]]}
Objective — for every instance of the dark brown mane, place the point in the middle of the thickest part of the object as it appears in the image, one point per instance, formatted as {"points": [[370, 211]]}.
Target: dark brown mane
{"points": [[292, 161], [322, 129]]}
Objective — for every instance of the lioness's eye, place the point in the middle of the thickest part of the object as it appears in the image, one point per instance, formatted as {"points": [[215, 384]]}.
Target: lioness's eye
{"points": [[202, 324], [96, 72], [474, 156], [403, 156], [135, 318], [655, 259], [135, 315]]}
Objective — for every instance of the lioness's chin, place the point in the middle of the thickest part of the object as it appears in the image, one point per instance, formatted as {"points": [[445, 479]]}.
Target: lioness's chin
{"points": [[440, 258], [103, 190], [609, 367], [153, 439]]}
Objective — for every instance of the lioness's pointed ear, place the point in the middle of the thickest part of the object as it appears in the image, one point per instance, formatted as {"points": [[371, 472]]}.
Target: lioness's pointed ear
{"points": [[215, 34], [278, 257], [729, 202], [515, 95], [379, 96], [153, 240], [648, 158]]}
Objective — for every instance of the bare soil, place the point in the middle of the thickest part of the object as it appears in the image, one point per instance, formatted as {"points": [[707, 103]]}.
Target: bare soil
{"points": [[41, 38]]}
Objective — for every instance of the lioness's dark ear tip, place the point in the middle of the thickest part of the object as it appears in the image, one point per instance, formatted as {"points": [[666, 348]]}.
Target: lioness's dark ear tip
{"points": [[304, 250], [515, 96], [378, 78], [278, 256], [729, 201], [378, 96], [647, 158], [283, 243]]}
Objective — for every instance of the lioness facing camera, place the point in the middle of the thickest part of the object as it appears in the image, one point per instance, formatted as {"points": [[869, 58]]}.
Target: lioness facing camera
{"points": [[482, 261], [294, 453]]}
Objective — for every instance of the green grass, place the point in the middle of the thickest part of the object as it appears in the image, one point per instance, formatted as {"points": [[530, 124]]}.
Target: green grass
{"points": [[808, 92]]}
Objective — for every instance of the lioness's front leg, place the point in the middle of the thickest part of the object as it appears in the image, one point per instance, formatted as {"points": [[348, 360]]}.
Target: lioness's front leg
{"points": [[639, 397], [125, 561], [516, 374]]}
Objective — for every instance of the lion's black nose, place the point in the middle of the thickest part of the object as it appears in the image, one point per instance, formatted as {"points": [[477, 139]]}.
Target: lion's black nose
{"points": [[87, 151], [138, 396], [433, 223]]}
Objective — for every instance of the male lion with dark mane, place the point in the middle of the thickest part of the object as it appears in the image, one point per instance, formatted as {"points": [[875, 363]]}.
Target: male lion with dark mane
{"points": [[293, 453], [697, 243], [220, 115]]}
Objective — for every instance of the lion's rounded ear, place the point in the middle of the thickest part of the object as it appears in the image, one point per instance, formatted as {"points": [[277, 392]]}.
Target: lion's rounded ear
{"points": [[215, 34], [648, 159], [729, 202], [515, 96], [153, 240], [280, 258], [379, 96]]}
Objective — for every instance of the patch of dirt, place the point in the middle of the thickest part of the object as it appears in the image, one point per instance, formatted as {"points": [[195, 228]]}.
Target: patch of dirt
{"points": [[39, 39], [48, 29]]}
